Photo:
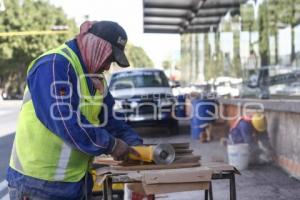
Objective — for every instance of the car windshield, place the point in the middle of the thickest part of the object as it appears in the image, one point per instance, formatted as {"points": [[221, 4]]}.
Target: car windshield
{"points": [[141, 79]]}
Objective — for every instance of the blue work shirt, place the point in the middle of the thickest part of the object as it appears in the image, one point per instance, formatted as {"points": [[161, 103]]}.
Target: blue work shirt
{"points": [[242, 132], [51, 78]]}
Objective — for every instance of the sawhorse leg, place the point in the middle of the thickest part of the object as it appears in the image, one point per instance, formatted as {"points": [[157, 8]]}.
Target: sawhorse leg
{"points": [[231, 177], [208, 193], [107, 188], [232, 187]]}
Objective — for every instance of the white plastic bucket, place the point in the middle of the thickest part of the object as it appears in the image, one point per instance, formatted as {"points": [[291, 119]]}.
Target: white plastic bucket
{"points": [[238, 155]]}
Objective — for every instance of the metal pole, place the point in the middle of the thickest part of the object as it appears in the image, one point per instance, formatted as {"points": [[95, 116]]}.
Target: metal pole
{"points": [[210, 191], [232, 187], [206, 194], [107, 188]]}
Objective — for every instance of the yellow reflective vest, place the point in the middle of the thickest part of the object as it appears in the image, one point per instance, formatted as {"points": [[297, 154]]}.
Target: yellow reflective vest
{"points": [[37, 152]]}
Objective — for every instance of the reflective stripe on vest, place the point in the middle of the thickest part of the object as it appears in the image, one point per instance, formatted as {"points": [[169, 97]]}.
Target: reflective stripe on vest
{"points": [[39, 153]]}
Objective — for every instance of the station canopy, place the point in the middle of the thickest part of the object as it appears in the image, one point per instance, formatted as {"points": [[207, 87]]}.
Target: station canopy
{"points": [[186, 16]]}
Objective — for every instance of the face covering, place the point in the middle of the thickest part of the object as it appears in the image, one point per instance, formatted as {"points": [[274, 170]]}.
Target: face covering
{"points": [[94, 51]]}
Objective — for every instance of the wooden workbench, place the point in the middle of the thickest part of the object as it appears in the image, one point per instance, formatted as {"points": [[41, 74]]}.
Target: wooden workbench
{"points": [[214, 170]]}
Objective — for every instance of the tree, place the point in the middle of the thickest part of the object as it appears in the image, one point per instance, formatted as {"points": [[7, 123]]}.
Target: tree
{"points": [[208, 69], [214, 64], [185, 57], [18, 51], [287, 15], [236, 70], [218, 58], [273, 13], [225, 25], [248, 20], [167, 64], [137, 56], [264, 34]]}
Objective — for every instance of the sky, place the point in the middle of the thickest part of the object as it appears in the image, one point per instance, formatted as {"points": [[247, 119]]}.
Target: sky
{"points": [[129, 14]]}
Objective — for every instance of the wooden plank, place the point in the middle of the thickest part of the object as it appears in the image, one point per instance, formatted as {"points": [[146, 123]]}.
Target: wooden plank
{"points": [[175, 187], [218, 167], [187, 147], [106, 161], [183, 151], [184, 154], [181, 145], [153, 166], [185, 175], [187, 159]]}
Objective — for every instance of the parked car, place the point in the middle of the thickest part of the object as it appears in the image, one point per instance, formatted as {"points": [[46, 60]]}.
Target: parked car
{"points": [[228, 86], [292, 89], [144, 98]]}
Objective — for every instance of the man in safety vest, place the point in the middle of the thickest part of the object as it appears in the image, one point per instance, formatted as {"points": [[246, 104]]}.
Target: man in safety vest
{"points": [[253, 130], [67, 118]]}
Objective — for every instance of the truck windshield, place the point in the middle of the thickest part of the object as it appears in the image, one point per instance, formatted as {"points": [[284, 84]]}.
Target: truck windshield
{"points": [[141, 79]]}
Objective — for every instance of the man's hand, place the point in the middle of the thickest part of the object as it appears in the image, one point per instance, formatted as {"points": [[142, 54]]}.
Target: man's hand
{"points": [[121, 151]]}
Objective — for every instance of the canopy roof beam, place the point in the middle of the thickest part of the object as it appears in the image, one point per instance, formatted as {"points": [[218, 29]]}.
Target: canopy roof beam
{"points": [[185, 15]]}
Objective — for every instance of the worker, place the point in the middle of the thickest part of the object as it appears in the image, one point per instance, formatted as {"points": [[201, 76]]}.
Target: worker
{"points": [[253, 131], [206, 133], [67, 118]]}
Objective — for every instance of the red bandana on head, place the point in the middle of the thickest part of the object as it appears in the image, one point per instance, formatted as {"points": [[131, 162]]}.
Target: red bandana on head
{"points": [[94, 51]]}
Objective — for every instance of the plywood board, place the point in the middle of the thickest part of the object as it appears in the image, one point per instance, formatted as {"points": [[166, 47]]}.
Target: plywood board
{"points": [[178, 151], [183, 154], [106, 161], [187, 159], [154, 166], [185, 175], [181, 145], [175, 187], [218, 167]]}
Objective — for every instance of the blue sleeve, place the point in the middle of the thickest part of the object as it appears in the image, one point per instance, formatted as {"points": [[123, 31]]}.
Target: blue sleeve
{"points": [[52, 83], [242, 133], [246, 131], [116, 127]]}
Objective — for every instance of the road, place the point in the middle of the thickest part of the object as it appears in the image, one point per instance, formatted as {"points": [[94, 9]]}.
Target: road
{"points": [[8, 117], [262, 182]]}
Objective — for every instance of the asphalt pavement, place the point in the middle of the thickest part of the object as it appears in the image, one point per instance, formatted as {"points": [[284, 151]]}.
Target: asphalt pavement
{"points": [[8, 118]]}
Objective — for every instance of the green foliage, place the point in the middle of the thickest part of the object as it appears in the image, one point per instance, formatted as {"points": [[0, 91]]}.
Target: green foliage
{"points": [[213, 63], [138, 57], [275, 14], [185, 56], [226, 25], [166, 64], [264, 34], [236, 70], [18, 51], [249, 22], [288, 15], [208, 72], [286, 10]]}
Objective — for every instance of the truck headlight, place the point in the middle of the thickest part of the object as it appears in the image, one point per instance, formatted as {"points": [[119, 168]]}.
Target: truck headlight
{"points": [[134, 104], [118, 105]]}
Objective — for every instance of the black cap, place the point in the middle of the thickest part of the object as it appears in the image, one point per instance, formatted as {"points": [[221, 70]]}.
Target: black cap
{"points": [[116, 36]]}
